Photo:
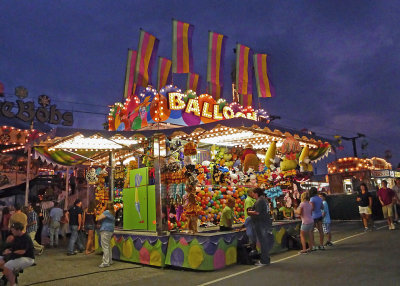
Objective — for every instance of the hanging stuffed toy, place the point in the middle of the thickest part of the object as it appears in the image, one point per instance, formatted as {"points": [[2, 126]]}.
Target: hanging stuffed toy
{"points": [[304, 160], [250, 159], [270, 155], [192, 212], [290, 147]]}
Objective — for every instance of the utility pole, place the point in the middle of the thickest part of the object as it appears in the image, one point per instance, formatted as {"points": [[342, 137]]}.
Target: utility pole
{"points": [[353, 140]]}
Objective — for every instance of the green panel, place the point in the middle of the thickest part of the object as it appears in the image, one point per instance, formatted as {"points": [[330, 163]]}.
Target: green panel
{"points": [[151, 208], [143, 173], [135, 200]]}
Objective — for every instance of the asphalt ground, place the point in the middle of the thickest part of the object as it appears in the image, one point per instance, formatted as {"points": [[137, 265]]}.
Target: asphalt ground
{"points": [[357, 258]]}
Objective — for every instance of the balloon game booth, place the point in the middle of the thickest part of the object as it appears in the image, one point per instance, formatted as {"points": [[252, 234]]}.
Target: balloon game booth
{"points": [[170, 161]]}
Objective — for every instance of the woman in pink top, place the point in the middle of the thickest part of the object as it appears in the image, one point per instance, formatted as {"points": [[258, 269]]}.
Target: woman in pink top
{"points": [[307, 223]]}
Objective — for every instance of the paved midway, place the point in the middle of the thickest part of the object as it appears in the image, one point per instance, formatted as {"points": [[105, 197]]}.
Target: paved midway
{"points": [[357, 258]]}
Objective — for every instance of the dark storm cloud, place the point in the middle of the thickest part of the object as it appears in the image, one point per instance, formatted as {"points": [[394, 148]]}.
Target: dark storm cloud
{"points": [[335, 64]]}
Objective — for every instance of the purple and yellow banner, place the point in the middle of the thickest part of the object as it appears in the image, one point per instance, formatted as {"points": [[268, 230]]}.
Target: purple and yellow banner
{"points": [[216, 52], [163, 72], [147, 50], [130, 74], [182, 54], [264, 86], [193, 82], [215, 90], [244, 74]]}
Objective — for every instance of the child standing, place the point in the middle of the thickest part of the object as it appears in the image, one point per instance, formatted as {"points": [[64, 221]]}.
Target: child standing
{"points": [[227, 216], [307, 223], [326, 221]]}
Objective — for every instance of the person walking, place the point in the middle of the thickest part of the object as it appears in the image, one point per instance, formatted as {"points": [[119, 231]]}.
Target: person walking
{"points": [[32, 228], [326, 220], [262, 225], [364, 200], [64, 225], [89, 224], [55, 217], [307, 223], [396, 189], [107, 219], [386, 197], [5, 219], [74, 216], [317, 209]]}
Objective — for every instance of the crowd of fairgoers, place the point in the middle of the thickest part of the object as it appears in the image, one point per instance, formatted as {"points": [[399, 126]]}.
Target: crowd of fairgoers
{"points": [[26, 230]]}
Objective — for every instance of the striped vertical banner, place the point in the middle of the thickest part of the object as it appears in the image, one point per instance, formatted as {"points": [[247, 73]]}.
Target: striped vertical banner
{"points": [[244, 74], [130, 74], [216, 52], [193, 82], [182, 54], [215, 90], [264, 86], [163, 72], [147, 50], [246, 99]]}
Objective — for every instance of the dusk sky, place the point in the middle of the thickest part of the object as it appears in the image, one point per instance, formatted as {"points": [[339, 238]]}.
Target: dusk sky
{"points": [[335, 64]]}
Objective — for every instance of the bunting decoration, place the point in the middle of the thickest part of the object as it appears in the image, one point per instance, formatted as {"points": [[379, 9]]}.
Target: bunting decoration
{"points": [[216, 52], [147, 50], [130, 74], [164, 72], [264, 86], [193, 82], [182, 54], [244, 74], [215, 90]]}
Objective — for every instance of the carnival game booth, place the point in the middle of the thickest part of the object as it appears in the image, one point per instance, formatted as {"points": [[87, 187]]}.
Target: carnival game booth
{"points": [[346, 174], [158, 167], [171, 160]]}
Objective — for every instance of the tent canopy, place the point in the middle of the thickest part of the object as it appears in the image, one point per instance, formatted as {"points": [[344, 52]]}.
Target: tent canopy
{"points": [[69, 146]]}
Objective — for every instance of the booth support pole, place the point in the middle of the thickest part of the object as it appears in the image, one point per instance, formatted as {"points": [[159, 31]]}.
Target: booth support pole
{"points": [[66, 189], [160, 228], [28, 167], [87, 194], [111, 183]]}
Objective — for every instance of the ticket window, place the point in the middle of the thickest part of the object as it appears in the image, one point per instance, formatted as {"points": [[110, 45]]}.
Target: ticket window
{"points": [[348, 186]]}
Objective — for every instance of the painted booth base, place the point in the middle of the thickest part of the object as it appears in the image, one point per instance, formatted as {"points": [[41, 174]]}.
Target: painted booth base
{"points": [[205, 251], [136, 247]]}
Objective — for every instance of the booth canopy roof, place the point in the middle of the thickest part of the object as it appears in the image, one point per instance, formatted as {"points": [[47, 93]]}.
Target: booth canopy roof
{"points": [[122, 139], [235, 122]]}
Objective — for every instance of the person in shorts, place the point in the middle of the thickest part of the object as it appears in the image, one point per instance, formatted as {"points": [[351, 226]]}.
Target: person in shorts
{"points": [[396, 189], [386, 197], [307, 223], [19, 255], [364, 200], [317, 208], [326, 220]]}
